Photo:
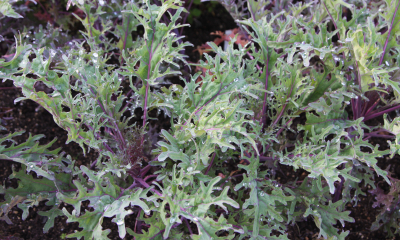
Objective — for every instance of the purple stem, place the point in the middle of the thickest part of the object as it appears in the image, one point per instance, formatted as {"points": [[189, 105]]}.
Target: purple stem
{"points": [[98, 137], [140, 210], [374, 115], [6, 112], [378, 135], [150, 176], [251, 57], [264, 110], [356, 103], [372, 107], [144, 184], [281, 130], [390, 30], [187, 224], [338, 190], [129, 188], [209, 166], [145, 108], [121, 138], [145, 169]]}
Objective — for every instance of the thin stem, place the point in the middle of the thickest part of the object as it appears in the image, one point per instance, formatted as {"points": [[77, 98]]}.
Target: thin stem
{"points": [[7, 111], [209, 166], [138, 215], [129, 188], [264, 110], [146, 185], [338, 190], [388, 36], [354, 108], [281, 130], [187, 224], [145, 110], [144, 170], [378, 135], [371, 108], [150, 176], [251, 57], [98, 138], [356, 103], [381, 113], [120, 137]]}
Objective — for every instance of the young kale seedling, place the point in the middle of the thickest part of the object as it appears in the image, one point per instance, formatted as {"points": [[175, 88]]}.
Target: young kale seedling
{"points": [[212, 176]]}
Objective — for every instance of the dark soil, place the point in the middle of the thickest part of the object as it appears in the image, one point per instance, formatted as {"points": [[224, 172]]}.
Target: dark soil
{"points": [[32, 118]]}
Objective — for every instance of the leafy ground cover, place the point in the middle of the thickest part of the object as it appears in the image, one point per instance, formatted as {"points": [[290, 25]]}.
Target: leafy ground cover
{"points": [[370, 205]]}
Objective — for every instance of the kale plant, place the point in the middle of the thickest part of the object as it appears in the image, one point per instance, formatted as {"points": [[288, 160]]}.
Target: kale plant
{"points": [[308, 71]]}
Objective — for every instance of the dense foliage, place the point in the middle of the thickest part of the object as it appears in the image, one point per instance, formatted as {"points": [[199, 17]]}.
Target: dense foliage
{"points": [[308, 59]]}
